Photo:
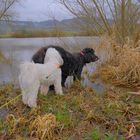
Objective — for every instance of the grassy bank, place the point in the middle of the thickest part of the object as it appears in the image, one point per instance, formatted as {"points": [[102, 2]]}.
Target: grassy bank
{"points": [[79, 114], [41, 33]]}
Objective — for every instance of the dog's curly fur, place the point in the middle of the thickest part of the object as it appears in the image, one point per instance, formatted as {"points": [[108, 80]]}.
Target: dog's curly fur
{"points": [[32, 76], [73, 63]]}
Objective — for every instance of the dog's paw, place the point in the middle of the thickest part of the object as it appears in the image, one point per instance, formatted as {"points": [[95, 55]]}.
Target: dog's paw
{"points": [[43, 93], [69, 82], [60, 94], [32, 103]]}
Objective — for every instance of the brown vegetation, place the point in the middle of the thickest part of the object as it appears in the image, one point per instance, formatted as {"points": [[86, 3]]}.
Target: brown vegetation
{"points": [[43, 127], [121, 64]]}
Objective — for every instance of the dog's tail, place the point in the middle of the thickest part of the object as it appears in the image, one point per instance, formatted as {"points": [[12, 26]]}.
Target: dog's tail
{"points": [[24, 67]]}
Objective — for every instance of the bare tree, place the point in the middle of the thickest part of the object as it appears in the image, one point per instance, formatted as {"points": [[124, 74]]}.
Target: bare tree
{"points": [[121, 17], [5, 9], [6, 14]]}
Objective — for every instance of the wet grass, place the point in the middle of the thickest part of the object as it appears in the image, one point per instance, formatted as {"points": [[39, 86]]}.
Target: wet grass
{"points": [[78, 115]]}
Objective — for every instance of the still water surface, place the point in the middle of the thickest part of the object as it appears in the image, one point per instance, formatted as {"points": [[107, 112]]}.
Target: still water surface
{"points": [[19, 50]]}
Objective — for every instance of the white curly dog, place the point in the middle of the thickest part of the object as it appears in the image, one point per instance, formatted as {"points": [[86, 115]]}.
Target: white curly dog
{"points": [[34, 76]]}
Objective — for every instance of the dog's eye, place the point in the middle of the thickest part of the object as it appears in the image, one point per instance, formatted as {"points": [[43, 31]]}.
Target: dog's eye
{"points": [[47, 77]]}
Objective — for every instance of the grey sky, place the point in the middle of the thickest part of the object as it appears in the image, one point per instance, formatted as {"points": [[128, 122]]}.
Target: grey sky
{"points": [[39, 10]]}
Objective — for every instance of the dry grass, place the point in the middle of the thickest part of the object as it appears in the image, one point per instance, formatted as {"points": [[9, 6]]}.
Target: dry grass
{"points": [[121, 64], [76, 115], [43, 127]]}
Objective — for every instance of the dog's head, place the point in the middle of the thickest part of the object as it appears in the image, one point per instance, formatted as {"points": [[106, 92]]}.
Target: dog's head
{"points": [[89, 55]]}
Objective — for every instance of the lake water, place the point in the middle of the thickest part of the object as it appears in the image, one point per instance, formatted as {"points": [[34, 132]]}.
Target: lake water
{"points": [[19, 50]]}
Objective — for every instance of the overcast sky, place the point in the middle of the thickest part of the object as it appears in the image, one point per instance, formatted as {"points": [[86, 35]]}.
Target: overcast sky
{"points": [[39, 10]]}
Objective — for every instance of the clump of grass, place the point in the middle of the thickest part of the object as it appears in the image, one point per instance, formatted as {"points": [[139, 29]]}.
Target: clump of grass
{"points": [[43, 127], [11, 123]]}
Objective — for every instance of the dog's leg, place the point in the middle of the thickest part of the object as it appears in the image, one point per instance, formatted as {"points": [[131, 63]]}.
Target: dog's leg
{"points": [[57, 83], [69, 81], [58, 88], [32, 99], [44, 89], [24, 97], [32, 95], [64, 77], [78, 72], [25, 90]]}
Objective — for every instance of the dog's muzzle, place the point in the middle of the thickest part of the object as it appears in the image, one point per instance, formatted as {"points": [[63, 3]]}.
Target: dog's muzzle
{"points": [[95, 58]]}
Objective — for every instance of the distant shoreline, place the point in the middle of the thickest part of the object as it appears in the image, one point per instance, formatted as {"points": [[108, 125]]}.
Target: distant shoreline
{"points": [[40, 34]]}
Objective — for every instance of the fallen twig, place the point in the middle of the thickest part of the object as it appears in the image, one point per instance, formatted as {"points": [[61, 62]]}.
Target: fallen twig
{"points": [[134, 93]]}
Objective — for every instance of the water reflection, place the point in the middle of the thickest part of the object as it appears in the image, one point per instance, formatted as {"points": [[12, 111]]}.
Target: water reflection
{"points": [[98, 86]]}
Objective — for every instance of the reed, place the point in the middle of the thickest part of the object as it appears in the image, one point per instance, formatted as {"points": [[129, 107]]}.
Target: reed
{"points": [[122, 64]]}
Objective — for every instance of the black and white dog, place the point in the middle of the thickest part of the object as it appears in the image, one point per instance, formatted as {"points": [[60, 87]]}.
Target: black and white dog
{"points": [[73, 62]]}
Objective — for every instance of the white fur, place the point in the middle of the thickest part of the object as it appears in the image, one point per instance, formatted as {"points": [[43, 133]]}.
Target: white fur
{"points": [[33, 75]]}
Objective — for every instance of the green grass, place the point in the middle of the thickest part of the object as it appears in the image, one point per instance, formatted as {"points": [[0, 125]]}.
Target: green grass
{"points": [[5, 35], [95, 134], [1, 126], [63, 117]]}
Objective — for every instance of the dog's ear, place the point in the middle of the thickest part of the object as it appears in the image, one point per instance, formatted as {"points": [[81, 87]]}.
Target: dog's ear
{"points": [[39, 56], [88, 50], [42, 51]]}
